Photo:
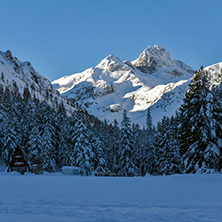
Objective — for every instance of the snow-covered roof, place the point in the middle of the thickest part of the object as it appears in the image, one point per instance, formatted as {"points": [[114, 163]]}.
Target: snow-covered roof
{"points": [[70, 168]]}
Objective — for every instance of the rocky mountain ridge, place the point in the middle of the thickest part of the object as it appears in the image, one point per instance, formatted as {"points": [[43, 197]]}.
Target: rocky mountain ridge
{"points": [[113, 85], [15, 73]]}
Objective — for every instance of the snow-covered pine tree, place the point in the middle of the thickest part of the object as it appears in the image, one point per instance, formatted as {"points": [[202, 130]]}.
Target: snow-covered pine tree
{"points": [[99, 157], [115, 141], [34, 144], [81, 153], [167, 154], [137, 152], [28, 121], [127, 146], [71, 132], [147, 146], [48, 139], [11, 135], [212, 154], [198, 126], [143, 149], [63, 139], [62, 127], [105, 135], [149, 122]]}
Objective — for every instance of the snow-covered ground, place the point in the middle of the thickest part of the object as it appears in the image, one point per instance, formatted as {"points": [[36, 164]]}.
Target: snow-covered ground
{"points": [[54, 197]]}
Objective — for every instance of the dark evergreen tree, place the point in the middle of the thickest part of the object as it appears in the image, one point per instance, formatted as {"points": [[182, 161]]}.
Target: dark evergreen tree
{"points": [[198, 126], [48, 138], [115, 147], [82, 154], [127, 146], [168, 159], [149, 122]]}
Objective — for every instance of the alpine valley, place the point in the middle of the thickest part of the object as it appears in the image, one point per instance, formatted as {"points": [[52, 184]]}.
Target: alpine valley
{"points": [[52, 129]]}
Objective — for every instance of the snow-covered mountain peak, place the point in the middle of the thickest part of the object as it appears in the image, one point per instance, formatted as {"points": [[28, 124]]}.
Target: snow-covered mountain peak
{"points": [[152, 59], [112, 63]]}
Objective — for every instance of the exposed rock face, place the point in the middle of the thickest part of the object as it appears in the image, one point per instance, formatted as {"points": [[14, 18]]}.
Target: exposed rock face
{"points": [[115, 108], [9, 55]]}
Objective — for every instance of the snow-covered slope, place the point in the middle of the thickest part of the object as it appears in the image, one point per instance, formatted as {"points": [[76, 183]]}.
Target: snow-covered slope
{"points": [[172, 100], [215, 71], [114, 85], [22, 74]]}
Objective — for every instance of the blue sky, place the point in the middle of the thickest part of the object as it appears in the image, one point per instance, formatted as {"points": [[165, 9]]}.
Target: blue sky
{"points": [[63, 37]]}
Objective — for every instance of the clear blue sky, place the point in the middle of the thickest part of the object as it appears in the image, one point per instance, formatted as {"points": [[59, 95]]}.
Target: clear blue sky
{"points": [[61, 37]]}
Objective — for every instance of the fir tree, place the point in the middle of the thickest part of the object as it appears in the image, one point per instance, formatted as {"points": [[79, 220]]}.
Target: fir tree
{"points": [[82, 154], [168, 159], [198, 126], [115, 147], [149, 122], [127, 145], [48, 139]]}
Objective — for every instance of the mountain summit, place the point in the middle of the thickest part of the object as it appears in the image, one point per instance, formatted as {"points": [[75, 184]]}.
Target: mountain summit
{"points": [[157, 57], [114, 85]]}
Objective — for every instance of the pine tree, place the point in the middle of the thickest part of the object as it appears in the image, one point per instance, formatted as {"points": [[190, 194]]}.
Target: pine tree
{"points": [[115, 136], [212, 154], [168, 160], [11, 135], [63, 142], [148, 146], [48, 139], [149, 122], [137, 152], [99, 157], [82, 154], [34, 144], [127, 145], [198, 126]]}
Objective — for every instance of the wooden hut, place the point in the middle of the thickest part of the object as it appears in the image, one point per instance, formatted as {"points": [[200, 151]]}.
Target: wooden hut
{"points": [[18, 162]]}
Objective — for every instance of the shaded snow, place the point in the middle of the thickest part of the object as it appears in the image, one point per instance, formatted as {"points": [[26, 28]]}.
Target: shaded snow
{"points": [[53, 197]]}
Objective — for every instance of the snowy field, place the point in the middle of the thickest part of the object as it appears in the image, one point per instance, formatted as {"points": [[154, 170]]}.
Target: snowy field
{"points": [[54, 197]]}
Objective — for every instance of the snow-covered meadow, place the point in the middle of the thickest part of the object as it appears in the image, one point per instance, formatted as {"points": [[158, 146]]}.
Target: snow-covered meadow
{"points": [[59, 198]]}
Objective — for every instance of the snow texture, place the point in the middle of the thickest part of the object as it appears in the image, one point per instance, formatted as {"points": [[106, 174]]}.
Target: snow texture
{"points": [[56, 198]]}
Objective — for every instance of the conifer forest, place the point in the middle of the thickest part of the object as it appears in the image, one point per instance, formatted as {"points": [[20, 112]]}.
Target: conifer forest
{"points": [[189, 142]]}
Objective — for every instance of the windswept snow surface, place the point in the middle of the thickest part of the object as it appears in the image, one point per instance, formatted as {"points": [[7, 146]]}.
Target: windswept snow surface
{"points": [[58, 198]]}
